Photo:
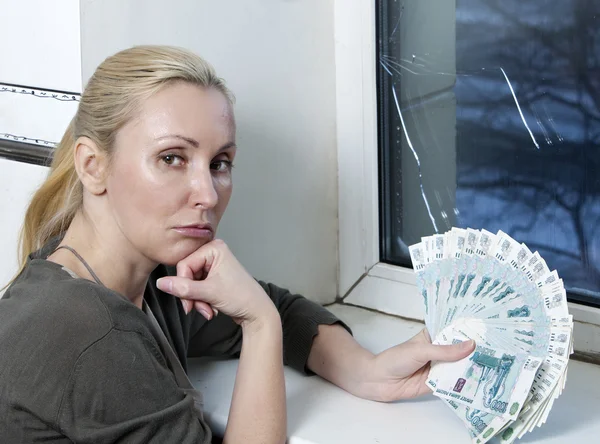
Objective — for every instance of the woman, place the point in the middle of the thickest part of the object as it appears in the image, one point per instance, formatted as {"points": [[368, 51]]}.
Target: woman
{"points": [[122, 279]]}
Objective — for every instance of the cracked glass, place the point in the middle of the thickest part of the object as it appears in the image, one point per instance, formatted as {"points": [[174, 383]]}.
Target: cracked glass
{"points": [[489, 117]]}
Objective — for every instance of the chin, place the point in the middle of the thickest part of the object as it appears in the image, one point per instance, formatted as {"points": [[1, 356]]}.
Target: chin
{"points": [[172, 253]]}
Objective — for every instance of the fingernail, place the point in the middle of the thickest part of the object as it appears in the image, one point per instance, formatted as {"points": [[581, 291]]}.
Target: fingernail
{"points": [[467, 344], [205, 314], [165, 284], [184, 306]]}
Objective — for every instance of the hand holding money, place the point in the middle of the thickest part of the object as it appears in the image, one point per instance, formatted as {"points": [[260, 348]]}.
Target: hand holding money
{"points": [[491, 289], [401, 372]]}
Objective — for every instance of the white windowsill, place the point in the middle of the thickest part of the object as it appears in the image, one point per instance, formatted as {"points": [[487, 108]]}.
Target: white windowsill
{"points": [[389, 289], [320, 413]]}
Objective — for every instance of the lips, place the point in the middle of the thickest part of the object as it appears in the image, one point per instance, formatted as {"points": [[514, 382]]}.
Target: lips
{"points": [[196, 230]]}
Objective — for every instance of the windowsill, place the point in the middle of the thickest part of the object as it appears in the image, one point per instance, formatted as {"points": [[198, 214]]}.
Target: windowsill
{"points": [[321, 413]]}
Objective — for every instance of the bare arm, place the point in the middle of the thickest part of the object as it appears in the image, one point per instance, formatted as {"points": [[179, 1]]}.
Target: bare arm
{"points": [[211, 277], [336, 356], [397, 373], [258, 407]]}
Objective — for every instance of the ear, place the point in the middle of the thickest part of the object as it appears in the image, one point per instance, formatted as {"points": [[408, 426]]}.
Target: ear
{"points": [[91, 164]]}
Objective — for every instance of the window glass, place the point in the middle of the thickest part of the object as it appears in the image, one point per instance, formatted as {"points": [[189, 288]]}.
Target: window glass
{"points": [[489, 117]]}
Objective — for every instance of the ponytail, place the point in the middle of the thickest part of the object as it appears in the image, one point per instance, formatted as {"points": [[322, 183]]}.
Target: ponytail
{"points": [[54, 204]]}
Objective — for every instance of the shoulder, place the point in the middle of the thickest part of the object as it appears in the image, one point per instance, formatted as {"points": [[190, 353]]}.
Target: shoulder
{"points": [[47, 320], [45, 295], [47, 305]]}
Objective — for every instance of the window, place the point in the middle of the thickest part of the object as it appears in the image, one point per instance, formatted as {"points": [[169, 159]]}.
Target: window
{"points": [[489, 117], [477, 151]]}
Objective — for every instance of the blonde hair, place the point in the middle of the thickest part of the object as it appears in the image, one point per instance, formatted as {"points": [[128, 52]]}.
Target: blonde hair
{"points": [[111, 98]]}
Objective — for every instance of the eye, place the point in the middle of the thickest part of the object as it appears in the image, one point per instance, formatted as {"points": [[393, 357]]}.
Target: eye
{"points": [[221, 165], [172, 159]]}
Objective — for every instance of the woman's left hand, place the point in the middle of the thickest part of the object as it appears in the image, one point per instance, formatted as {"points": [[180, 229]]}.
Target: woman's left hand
{"points": [[400, 372]]}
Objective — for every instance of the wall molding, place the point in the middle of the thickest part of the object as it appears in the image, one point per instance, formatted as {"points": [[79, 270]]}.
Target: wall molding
{"points": [[63, 96]]}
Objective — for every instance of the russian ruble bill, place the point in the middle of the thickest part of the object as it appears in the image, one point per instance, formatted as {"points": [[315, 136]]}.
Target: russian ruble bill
{"points": [[490, 288]]}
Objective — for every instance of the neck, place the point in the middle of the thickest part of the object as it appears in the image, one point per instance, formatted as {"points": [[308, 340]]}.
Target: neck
{"points": [[109, 254]]}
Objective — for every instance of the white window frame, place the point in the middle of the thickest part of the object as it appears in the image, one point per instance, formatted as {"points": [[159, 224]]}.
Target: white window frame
{"points": [[363, 280]]}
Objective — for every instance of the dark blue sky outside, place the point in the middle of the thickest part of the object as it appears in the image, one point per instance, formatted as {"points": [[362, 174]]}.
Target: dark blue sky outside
{"points": [[547, 197]]}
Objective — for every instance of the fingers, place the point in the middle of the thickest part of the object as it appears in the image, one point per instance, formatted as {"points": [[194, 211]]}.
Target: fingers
{"points": [[187, 289], [184, 288], [425, 351], [450, 353], [196, 267], [192, 294], [190, 284], [204, 309], [184, 271], [198, 264], [187, 305]]}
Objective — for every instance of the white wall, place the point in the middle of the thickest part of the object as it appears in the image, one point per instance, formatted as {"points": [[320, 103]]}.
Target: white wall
{"points": [[40, 49], [278, 58], [40, 44], [43, 53], [18, 181]]}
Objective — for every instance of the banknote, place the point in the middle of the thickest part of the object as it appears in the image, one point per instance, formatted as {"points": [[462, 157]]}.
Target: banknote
{"points": [[490, 288]]}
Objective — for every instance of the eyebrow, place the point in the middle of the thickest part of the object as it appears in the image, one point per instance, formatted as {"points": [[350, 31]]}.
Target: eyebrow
{"points": [[193, 142], [189, 140]]}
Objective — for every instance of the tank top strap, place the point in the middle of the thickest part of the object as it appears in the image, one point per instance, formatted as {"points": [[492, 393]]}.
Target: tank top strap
{"points": [[82, 260]]}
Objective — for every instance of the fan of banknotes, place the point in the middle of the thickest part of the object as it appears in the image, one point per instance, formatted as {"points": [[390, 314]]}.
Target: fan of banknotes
{"points": [[489, 288]]}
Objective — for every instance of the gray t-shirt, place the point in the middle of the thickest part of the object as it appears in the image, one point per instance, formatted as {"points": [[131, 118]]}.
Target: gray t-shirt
{"points": [[80, 363]]}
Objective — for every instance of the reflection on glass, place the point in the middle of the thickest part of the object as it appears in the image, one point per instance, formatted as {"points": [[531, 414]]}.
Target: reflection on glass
{"points": [[490, 118]]}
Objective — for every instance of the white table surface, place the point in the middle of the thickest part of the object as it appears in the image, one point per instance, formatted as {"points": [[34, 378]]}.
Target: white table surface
{"points": [[321, 413]]}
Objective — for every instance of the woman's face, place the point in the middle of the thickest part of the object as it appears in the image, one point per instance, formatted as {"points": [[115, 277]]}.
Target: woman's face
{"points": [[170, 177]]}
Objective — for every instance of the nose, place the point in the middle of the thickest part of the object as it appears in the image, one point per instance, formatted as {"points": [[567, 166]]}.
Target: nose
{"points": [[203, 193]]}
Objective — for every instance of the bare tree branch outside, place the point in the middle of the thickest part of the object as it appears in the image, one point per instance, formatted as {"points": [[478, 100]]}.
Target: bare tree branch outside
{"points": [[500, 100]]}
